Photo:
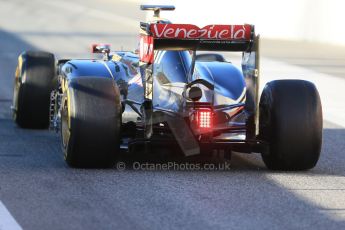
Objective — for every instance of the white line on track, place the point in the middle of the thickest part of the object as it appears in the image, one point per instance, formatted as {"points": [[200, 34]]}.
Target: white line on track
{"points": [[7, 222]]}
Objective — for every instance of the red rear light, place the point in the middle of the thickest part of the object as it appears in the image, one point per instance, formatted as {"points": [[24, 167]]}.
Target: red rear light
{"points": [[204, 118]]}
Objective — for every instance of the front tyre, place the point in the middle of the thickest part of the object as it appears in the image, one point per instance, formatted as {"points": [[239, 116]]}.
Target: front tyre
{"points": [[90, 122], [291, 123]]}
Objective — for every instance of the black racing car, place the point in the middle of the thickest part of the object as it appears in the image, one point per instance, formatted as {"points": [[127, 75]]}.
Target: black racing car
{"points": [[170, 96]]}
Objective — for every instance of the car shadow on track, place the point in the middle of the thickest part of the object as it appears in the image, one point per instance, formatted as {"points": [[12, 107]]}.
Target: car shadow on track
{"points": [[331, 161]]}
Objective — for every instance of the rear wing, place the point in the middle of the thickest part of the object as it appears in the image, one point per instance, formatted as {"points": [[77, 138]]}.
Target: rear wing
{"points": [[160, 36], [235, 38]]}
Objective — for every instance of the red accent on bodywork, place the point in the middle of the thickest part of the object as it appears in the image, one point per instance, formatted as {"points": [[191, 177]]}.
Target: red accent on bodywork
{"points": [[210, 32], [146, 49]]}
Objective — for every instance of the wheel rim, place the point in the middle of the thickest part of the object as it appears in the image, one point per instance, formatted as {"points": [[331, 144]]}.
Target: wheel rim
{"points": [[65, 129]]}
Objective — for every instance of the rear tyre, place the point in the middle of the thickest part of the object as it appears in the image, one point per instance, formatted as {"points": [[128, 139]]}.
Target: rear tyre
{"points": [[291, 122], [90, 122], [34, 81]]}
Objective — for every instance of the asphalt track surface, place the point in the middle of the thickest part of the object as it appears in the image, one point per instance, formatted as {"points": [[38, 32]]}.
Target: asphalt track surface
{"points": [[38, 190]]}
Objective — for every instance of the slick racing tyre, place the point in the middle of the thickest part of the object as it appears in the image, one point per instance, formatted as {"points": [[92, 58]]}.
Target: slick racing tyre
{"points": [[90, 122], [291, 123], [35, 79]]}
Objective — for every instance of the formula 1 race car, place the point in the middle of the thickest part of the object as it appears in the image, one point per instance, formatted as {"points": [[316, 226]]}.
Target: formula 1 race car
{"points": [[170, 96]]}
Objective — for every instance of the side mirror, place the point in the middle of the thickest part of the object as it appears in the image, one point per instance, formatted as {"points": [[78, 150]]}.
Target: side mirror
{"points": [[100, 48]]}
